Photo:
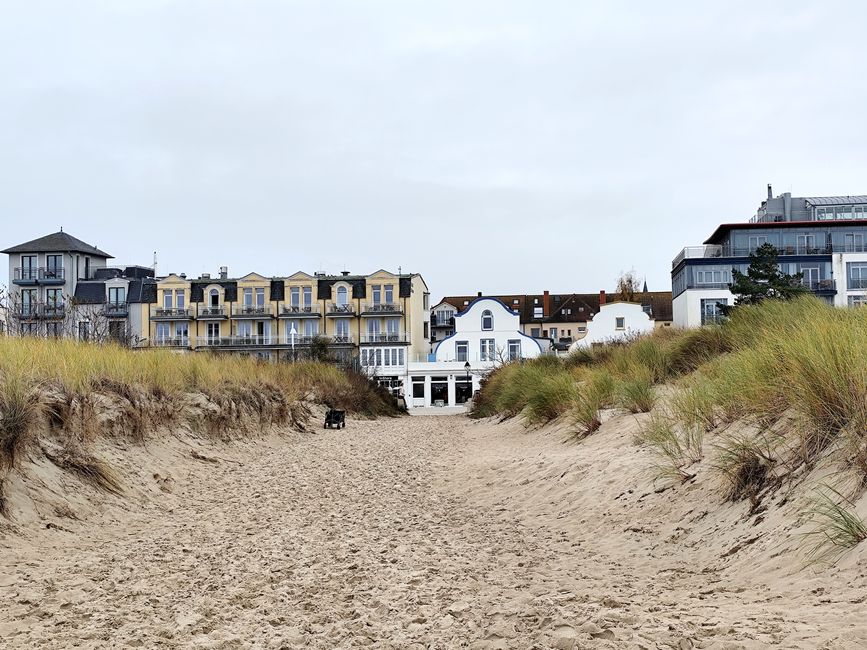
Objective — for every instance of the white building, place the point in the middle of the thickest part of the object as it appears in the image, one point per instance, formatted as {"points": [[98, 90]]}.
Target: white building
{"points": [[486, 334], [614, 322]]}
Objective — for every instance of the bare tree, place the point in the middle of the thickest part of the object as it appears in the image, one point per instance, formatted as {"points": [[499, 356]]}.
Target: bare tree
{"points": [[628, 285]]}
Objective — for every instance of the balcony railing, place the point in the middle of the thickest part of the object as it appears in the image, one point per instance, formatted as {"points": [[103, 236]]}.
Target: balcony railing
{"points": [[168, 313], [714, 250], [25, 275], [251, 311], [385, 337], [335, 309], [252, 340], [171, 342], [820, 285], [382, 308], [342, 340], [52, 275], [116, 309], [211, 312], [442, 321], [299, 311], [52, 312]]}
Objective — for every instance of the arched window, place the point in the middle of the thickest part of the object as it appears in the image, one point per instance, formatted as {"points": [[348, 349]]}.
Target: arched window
{"points": [[341, 296], [214, 298], [487, 320]]}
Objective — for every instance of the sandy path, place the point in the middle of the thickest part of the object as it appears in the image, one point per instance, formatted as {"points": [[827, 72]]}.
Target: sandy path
{"points": [[398, 534]]}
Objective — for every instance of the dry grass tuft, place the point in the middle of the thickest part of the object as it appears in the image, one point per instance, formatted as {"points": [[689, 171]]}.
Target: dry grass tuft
{"points": [[836, 526], [745, 465], [79, 461]]}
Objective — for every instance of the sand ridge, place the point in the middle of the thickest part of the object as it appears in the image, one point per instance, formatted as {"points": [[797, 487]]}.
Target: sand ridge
{"points": [[426, 532]]}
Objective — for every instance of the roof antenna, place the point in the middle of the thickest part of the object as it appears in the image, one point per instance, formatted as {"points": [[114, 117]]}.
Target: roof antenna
{"points": [[61, 228], [399, 270], [155, 264]]}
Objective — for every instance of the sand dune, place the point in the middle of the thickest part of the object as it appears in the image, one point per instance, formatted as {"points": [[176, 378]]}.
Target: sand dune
{"points": [[410, 533]]}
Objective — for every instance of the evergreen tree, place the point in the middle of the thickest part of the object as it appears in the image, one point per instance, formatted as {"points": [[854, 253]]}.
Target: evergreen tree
{"points": [[763, 280]]}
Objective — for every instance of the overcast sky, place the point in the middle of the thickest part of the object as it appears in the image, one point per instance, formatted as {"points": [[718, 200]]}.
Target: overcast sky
{"points": [[491, 146]]}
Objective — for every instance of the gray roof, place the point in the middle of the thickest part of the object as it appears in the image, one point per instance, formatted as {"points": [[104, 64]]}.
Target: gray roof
{"points": [[58, 242], [90, 293], [836, 200]]}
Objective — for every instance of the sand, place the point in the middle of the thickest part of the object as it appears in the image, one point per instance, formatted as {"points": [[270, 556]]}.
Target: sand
{"points": [[422, 532]]}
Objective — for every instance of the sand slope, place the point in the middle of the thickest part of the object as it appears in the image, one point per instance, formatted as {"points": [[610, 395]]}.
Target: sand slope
{"points": [[415, 532]]}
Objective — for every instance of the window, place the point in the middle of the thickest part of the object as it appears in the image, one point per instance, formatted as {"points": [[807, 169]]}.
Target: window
{"points": [[857, 301], [179, 298], [538, 312], [372, 330], [214, 297], [535, 332], [53, 302], [487, 321], [28, 267], [248, 297], [167, 299], [260, 297], [554, 333], [54, 329], [117, 331], [389, 294], [342, 296], [181, 332], [54, 266], [486, 350], [377, 294], [462, 351], [857, 274], [117, 295], [28, 302], [426, 332], [514, 350], [392, 326], [620, 323], [341, 329], [84, 329], [810, 277], [712, 277], [311, 328], [514, 301], [163, 331], [806, 243], [213, 332], [426, 304], [710, 311], [755, 241], [295, 296], [418, 387], [308, 296], [854, 243]]}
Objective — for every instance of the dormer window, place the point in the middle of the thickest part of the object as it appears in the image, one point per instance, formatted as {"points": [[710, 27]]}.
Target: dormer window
{"points": [[214, 298], [342, 296], [487, 320]]}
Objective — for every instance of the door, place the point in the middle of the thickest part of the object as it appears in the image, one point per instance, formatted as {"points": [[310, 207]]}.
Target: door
{"points": [[810, 277]]}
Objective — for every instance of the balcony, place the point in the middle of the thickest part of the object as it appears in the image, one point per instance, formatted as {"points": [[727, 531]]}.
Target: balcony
{"points": [[442, 321], [210, 313], [381, 309], [239, 341], [26, 276], [336, 310], [116, 310], [711, 251], [52, 275], [167, 313], [299, 311], [52, 312], [171, 342], [342, 340], [26, 312], [252, 311], [821, 286], [384, 337]]}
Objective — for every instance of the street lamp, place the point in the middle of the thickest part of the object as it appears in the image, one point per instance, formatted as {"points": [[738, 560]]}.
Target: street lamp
{"points": [[469, 385], [292, 333]]}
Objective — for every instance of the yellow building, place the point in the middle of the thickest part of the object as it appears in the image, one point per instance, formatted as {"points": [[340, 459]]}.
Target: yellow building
{"points": [[382, 318]]}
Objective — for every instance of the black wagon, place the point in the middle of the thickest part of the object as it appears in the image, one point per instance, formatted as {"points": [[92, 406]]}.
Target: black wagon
{"points": [[335, 418]]}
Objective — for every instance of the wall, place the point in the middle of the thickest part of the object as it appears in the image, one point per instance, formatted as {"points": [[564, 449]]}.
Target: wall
{"points": [[603, 327], [687, 306]]}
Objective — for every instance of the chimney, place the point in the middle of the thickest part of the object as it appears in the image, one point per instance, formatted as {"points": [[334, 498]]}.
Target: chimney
{"points": [[770, 192], [602, 297], [546, 304], [479, 294], [205, 276], [344, 273], [224, 272], [183, 276]]}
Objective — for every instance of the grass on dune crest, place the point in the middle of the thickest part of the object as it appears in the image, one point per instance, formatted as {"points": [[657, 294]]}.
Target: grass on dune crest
{"points": [[792, 375], [81, 391]]}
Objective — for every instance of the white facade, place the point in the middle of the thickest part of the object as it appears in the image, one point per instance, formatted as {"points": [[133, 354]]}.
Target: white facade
{"points": [[696, 307], [487, 334], [850, 291], [615, 321]]}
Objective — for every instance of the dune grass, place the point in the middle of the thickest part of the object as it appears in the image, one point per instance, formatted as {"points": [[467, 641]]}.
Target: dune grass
{"points": [[836, 526], [78, 392]]}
